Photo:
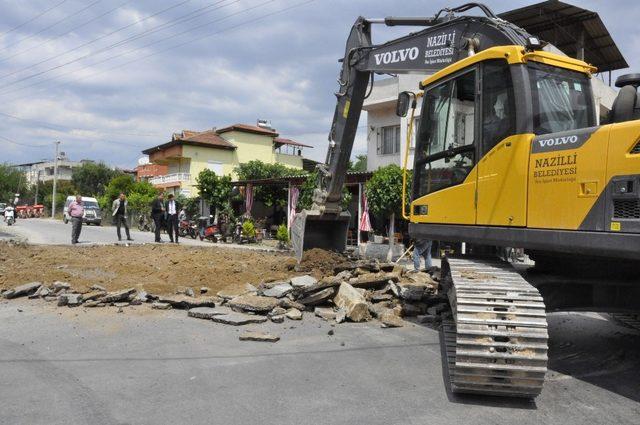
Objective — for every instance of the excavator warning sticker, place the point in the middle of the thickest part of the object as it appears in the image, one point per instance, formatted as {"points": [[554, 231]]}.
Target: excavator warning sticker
{"points": [[345, 112], [615, 226]]}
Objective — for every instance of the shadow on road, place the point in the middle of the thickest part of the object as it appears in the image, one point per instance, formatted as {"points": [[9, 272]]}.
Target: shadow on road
{"points": [[590, 347], [594, 348]]}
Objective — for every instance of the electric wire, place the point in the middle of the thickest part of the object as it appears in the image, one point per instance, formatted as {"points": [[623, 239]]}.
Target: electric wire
{"points": [[62, 128], [21, 144], [251, 21], [52, 25], [208, 23], [108, 34], [74, 29], [180, 20], [32, 19]]}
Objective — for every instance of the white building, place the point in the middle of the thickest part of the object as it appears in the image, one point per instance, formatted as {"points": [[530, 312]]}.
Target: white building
{"points": [[43, 170]]}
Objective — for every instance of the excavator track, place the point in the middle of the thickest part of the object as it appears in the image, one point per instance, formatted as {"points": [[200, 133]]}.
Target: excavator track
{"points": [[497, 342]]}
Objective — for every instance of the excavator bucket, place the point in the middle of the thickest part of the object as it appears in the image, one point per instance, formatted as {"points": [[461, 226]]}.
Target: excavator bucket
{"points": [[312, 229]]}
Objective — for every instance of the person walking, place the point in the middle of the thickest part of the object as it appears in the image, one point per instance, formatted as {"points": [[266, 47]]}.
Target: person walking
{"points": [[172, 208], [157, 213], [422, 248], [76, 211], [119, 213]]}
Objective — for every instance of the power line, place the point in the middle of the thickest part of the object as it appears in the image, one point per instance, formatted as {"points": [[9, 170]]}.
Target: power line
{"points": [[58, 127], [166, 25], [105, 35], [52, 25], [262, 17], [251, 21], [208, 23], [22, 144], [33, 19], [75, 28]]}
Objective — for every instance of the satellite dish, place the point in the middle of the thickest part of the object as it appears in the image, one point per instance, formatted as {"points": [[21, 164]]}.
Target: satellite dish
{"points": [[143, 161]]}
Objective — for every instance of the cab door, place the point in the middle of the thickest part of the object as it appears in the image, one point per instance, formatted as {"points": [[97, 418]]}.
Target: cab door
{"points": [[504, 156], [444, 167]]}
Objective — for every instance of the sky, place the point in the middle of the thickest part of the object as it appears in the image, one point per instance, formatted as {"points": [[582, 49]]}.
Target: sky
{"points": [[109, 78]]}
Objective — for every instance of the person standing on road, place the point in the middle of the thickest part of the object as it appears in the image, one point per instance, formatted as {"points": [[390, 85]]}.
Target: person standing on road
{"points": [[119, 214], [172, 208], [422, 248], [157, 213], [76, 211]]}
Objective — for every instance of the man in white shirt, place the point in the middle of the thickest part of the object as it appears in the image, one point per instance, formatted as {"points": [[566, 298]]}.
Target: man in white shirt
{"points": [[172, 208]]}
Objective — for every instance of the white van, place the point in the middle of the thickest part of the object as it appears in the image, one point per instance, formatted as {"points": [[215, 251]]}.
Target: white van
{"points": [[91, 210]]}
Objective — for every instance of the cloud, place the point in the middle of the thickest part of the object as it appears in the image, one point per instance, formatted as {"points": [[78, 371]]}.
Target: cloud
{"points": [[282, 68]]}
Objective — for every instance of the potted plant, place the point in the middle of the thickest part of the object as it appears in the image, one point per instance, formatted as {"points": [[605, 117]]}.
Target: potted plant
{"points": [[249, 231], [282, 235]]}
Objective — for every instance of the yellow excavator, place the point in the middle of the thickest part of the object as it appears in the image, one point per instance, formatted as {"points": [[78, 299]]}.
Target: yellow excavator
{"points": [[508, 154]]}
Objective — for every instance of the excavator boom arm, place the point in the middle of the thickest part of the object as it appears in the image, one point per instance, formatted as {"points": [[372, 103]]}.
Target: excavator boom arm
{"points": [[447, 39]]}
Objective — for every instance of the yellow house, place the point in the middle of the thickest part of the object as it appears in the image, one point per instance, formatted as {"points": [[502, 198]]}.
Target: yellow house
{"points": [[219, 150]]}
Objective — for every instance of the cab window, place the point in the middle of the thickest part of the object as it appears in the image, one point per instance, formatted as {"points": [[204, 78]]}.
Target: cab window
{"points": [[445, 148], [498, 104], [561, 99]]}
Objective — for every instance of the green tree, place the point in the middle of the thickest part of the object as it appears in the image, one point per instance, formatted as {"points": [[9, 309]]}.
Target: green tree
{"points": [[12, 181], [271, 196], [122, 183], [64, 189], [214, 189], [140, 197], [360, 165], [91, 178], [384, 195]]}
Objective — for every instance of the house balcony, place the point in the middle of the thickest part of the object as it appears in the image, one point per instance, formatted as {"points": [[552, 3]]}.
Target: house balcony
{"points": [[170, 180]]}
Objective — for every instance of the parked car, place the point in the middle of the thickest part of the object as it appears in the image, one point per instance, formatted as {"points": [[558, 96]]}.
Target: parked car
{"points": [[91, 210]]}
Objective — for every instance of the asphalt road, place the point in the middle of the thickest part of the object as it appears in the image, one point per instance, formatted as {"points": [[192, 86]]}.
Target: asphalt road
{"points": [[95, 366], [54, 232]]}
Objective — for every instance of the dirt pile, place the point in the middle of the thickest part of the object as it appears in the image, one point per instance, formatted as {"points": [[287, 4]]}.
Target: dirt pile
{"points": [[158, 269], [320, 262]]}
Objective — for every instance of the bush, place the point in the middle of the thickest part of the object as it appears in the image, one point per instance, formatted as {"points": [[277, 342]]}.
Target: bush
{"points": [[248, 229], [282, 234]]}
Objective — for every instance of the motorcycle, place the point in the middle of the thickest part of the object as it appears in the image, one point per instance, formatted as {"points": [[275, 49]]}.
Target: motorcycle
{"points": [[9, 215], [189, 228], [208, 231], [145, 224]]}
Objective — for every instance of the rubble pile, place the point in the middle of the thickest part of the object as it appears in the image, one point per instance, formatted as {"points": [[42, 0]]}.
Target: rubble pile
{"points": [[354, 291], [350, 290]]}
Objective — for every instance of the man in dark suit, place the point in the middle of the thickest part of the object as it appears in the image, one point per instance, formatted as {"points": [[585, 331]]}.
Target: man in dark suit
{"points": [[172, 209], [157, 213]]}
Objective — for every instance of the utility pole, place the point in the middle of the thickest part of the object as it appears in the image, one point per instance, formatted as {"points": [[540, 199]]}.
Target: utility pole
{"points": [[37, 186], [55, 181]]}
